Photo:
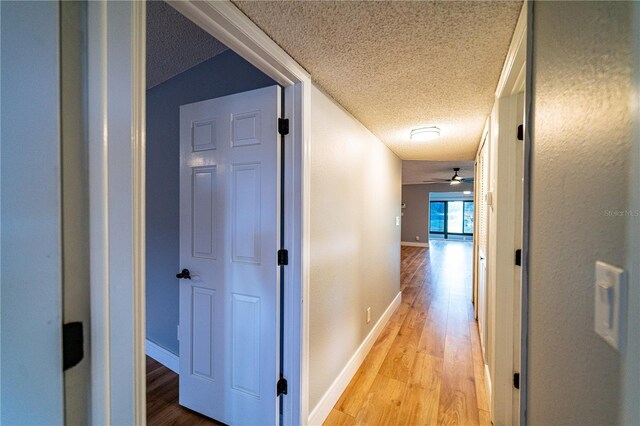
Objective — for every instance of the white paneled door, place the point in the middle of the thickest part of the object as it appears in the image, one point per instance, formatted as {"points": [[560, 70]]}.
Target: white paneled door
{"points": [[229, 231]]}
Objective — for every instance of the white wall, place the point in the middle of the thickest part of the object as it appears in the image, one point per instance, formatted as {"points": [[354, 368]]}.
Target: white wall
{"points": [[355, 243], [581, 146]]}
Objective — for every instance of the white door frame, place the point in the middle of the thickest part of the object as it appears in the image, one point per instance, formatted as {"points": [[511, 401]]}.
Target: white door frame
{"points": [[503, 244], [116, 33], [116, 121]]}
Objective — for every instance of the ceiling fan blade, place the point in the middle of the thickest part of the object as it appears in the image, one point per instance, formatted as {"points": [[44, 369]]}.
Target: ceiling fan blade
{"points": [[468, 180], [437, 181]]}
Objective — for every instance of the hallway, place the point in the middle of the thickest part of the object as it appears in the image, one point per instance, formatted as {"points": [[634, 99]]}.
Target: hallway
{"points": [[426, 366]]}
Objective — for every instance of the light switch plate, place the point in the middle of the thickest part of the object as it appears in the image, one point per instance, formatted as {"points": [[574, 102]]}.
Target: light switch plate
{"points": [[610, 304], [488, 198]]}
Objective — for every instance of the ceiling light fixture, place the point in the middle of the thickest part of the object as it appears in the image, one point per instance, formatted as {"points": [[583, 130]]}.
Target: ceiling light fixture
{"points": [[454, 182], [425, 133]]}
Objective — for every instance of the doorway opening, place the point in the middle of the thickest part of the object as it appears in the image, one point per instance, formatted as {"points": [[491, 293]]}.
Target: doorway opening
{"points": [[214, 224]]}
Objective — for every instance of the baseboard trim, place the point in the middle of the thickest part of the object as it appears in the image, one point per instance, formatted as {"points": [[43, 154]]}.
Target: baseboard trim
{"points": [[163, 356], [487, 384], [328, 401], [410, 244]]}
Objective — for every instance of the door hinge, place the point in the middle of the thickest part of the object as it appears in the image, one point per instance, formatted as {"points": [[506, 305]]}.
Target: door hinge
{"points": [[282, 387], [283, 257], [516, 380], [521, 132], [519, 257], [72, 344], [283, 126]]}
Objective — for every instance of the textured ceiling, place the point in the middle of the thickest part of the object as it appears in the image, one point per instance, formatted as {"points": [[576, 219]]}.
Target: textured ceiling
{"points": [[414, 172], [398, 65], [174, 43]]}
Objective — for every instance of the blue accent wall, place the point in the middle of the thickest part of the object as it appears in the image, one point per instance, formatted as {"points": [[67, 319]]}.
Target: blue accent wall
{"points": [[222, 75]]}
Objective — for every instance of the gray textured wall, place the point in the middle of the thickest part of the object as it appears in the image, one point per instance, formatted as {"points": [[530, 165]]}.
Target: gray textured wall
{"points": [[222, 75], [581, 145], [415, 219]]}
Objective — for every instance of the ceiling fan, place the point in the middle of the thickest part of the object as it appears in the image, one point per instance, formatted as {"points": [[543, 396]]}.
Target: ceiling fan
{"points": [[456, 179]]}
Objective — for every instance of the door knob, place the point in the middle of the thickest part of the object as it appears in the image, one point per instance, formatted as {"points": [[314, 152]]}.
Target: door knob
{"points": [[184, 274]]}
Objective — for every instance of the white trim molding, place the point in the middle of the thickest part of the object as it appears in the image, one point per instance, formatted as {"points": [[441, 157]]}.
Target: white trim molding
{"points": [[487, 385], [513, 71], [116, 110], [329, 399], [228, 24], [98, 185], [163, 356], [138, 160], [412, 244]]}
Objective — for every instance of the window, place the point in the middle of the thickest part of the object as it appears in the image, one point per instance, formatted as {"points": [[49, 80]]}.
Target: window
{"points": [[451, 217], [468, 217], [454, 217], [437, 213]]}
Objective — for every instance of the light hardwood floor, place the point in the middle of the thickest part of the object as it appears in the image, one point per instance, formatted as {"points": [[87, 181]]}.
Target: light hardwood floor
{"points": [[426, 366]]}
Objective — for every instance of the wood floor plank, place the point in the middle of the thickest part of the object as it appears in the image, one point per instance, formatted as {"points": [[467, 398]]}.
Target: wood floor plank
{"points": [[434, 332], [408, 256], [458, 403], [356, 392], [422, 300], [401, 355], [409, 268], [162, 400], [338, 418], [383, 401], [400, 314], [458, 318], [417, 278], [485, 418], [409, 295], [421, 401]]}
